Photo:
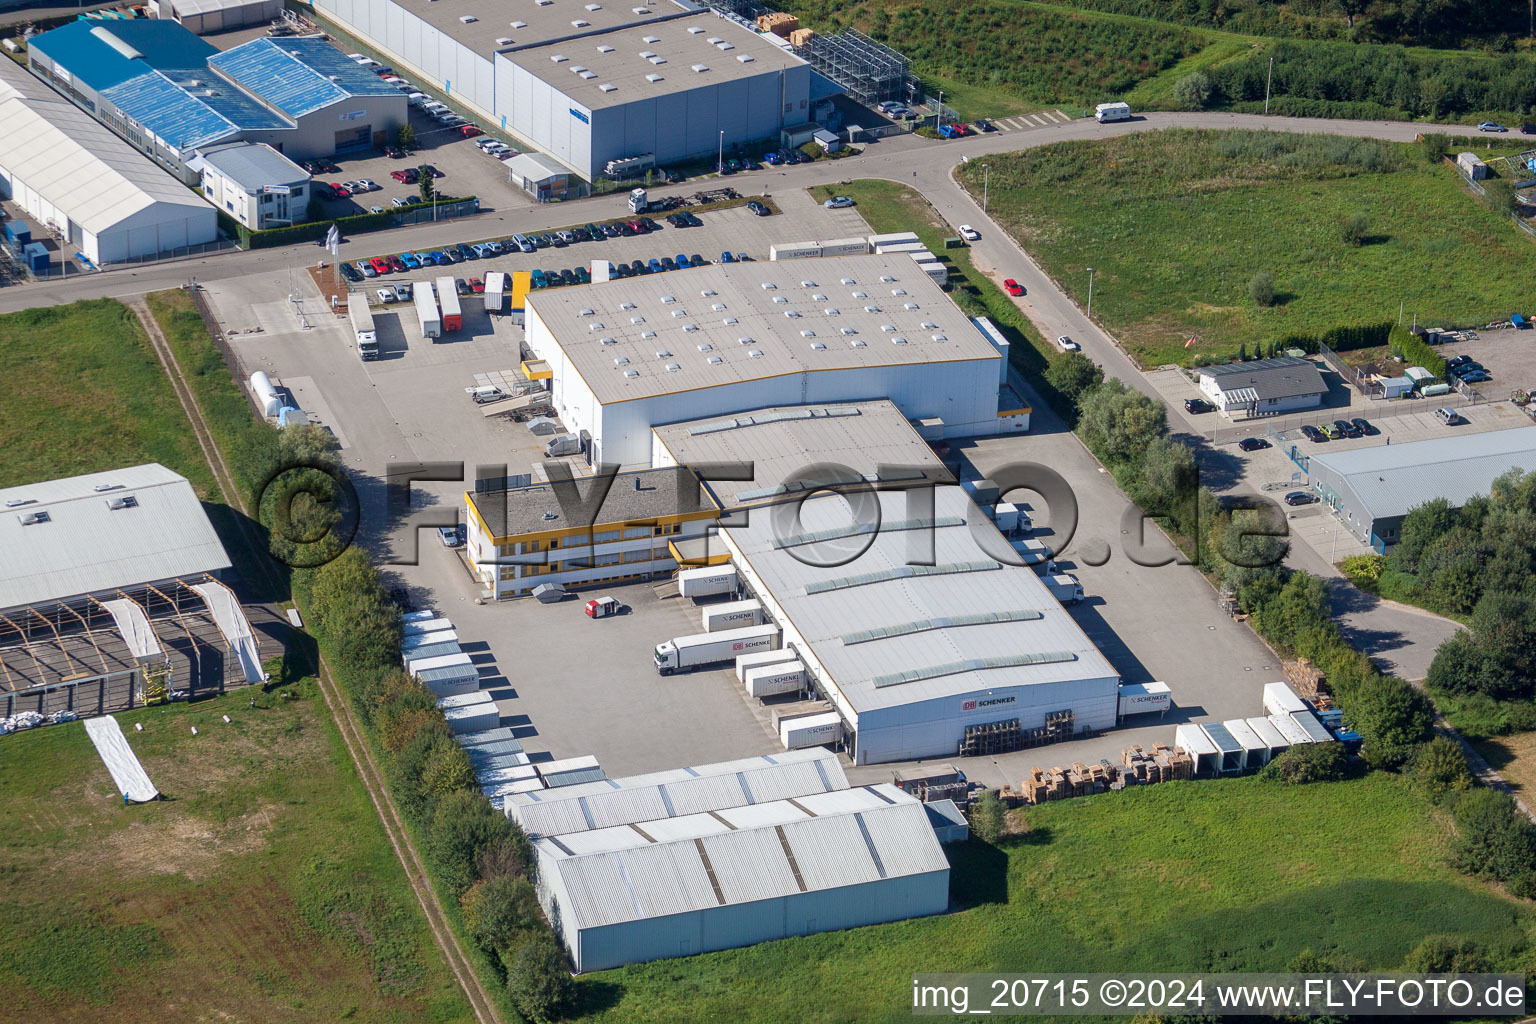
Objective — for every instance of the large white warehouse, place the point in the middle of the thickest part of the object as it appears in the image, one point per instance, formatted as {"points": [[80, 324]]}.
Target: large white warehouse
{"points": [[65, 169], [632, 353], [593, 82], [916, 620], [761, 849]]}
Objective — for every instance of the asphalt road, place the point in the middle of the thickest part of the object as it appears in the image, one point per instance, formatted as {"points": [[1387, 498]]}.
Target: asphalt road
{"points": [[1404, 639]]}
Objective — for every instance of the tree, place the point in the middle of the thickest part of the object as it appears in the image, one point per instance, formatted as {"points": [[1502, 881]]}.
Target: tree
{"points": [[1355, 228], [510, 855], [1441, 954], [1351, 9], [1261, 288], [425, 184], [1242, 353], [447, 771], [1118, 424], [464, 824], [537, 978], [1493, 838], [1458, 665], [1311, 762], [1439, 771], [405, 137], [988, 817], [498, 910], [1504, 626], [1421, 527], [1192, 91], [1074, 375], [1451, 569], [1393, 718]]}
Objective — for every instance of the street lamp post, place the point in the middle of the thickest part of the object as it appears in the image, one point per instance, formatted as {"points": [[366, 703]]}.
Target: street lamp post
{"points": [[1090, 293], [986, 182], [720, 156]]}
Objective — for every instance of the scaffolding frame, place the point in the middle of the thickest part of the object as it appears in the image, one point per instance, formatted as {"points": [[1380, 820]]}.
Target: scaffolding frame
{"points": [[869, 71]]}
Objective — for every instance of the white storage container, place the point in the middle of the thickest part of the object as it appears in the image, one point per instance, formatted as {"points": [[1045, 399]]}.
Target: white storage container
{"points": [[416, 666], [472, 717], [811, 730], [795, 251], [1280, 699], [1255, 749], [1265, 730], [731, 615], [1194, 742], [772, 680], [706, 581], [426, 626], [750, 661], [1290, 729], [1141, 698]]}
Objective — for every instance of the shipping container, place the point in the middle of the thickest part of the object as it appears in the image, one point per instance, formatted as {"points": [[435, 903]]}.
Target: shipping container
{"points": [[364, 333], [731, 615], [448, 298], [416, 641], [1064, 587], [417, 665], [1272, 737], [1314, 728], [495, 289], [892, 238], [899, 247], [1290, 729], [794, 251], [811, 731], [572, 771], [427, 319], [1232, 755], [426, 626], [472, 717], [922, 256], [707, 581], [761, 658], [1280, 699], [688, 652], [1472, 166], [451, 681], [424, 615], [772, 680], [1255, 750], [431, 651], [1194, 742], [1145, 698], [844, 247], [501, 734]]}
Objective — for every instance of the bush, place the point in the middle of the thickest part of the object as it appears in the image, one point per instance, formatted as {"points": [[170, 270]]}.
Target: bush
{"points": [[464, 824], [499, 910], [1193, 91], [1441, 954], [1394, 718], [1261, 288], [537, 978], [1363, 568], [1438, 770], [1493, 838], [1355, 229], [1413, 348], [1311, 762], [1074, 375], [988, 817]]}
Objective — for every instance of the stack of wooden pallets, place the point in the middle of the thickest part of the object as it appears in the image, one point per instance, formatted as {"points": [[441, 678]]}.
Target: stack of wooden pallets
{"points": [[1305, 678]]}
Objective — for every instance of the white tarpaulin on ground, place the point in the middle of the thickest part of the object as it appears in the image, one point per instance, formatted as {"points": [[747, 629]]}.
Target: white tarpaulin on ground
{"points": [[133, 626], [131, 778], [235, 627]]}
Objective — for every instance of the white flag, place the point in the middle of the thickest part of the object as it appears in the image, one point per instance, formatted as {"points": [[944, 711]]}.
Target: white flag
{"points": [[333, 241]]}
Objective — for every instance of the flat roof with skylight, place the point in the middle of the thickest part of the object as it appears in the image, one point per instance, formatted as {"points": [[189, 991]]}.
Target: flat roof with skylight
{"points": [[488, 26], [643, 337]]}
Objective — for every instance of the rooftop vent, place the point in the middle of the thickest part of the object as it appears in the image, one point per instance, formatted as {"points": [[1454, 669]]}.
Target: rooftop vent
{"points": [[939, 337], [898, 341], [769, 286], [641, 10], [17, 502], [725, 46], [744, 341], [559, 58], [730, 321], [626, 305], [678, 314], [701, 68], [594, 7], [647, 334], [631, 373], [888, 328], [673, 367], [586, 312], [808, 334], [33, 518], [694, 30], [654, 59], [551, 516], [832, 311], [503, 40], [98, 489], [857, 343], [609, 341], [662, 353], [580, 23], [651, 39], [667, 300], [690, 328], [606, 87], [755, 353], [468, 19], [577, 68], [718, 307], [707, 293], [653, 78], [745, 58], [898, 291], [887, 278], [847, 330], [519, 24], [715, 360], [706, 347], [715, 39], [818, 298], [819, 346], [807, 284], [121, 501], [587, 75], [621, 361], [637, 319], [929, 325], [605, 48]]}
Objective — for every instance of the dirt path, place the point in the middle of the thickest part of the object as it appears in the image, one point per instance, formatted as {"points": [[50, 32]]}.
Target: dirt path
{"points": [[346, 722]]}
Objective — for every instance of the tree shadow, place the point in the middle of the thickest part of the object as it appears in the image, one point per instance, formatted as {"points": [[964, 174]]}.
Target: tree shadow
{"points": [[593, 996]]}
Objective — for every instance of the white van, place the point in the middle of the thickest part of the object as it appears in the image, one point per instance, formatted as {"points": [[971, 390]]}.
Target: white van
{"points": [[1104, 113], [1447, 416]]}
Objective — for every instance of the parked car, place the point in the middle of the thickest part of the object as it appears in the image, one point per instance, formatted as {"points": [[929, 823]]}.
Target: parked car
{"points": [[985, 126], [432, 170], [399, 201], [375, 209], [1196, 406], [1477, 377], [1365, 426], [369, 185], [567, 277], [385, 294], [1300, 498], [1012, 287], [690, 220], [622, 270], [1458, 360], [449, 535], [639, 267], [454, 256], [969, 233], [838, 203], [946, 131], [1066, 344], [440, 258], [580, 235], [1252, 444], [773, 159], [1491, 126], [367, 268], [339, 191], [961, 130], [1348, 428], [397, 264], [350, 272], [322, 190], [611, 230], [1333, 431], [655, 265], [697, 260], [462, 286], [1312, 434], [681, 261], [726, 257], [668, 263], [565, 237], [469, 131], [381, 265], [758, 208], [466, 252], [403, 291]]}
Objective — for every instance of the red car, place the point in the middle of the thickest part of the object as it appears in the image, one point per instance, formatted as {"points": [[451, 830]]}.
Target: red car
{"points": [[339, 191], [408, 176], [469, 131], [476, 285], [380, 264], [396, 264], [961, 129], [1013, 287]]}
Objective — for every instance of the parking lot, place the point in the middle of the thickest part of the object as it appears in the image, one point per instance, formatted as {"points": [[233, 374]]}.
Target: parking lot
{"points": [[1509, 356]]}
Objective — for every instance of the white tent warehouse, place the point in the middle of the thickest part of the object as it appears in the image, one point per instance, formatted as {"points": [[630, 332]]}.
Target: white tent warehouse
{"points": [[741, 875], [69, 171]]}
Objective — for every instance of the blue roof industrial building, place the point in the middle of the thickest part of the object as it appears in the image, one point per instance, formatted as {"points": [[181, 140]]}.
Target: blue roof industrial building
{"points": [[168, 92]]}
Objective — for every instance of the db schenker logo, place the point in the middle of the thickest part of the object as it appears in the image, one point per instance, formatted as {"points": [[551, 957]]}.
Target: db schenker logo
{"points": [[969, 705]]}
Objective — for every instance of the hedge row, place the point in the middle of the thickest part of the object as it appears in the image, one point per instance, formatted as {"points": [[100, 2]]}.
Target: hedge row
{"points": [[1418, 352], [315, 230]]}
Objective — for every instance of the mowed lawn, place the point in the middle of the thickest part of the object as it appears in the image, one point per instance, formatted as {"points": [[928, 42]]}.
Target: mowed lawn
{"points": [[262, 890], [85, 393], [1177, 223], [1234, 875]]}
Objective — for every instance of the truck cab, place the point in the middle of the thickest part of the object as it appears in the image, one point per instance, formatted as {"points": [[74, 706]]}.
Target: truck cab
{"points": [[665, 657], [639, 202]]}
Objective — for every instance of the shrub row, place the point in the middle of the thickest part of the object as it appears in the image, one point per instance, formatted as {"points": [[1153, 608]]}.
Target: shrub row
{"points": [[315, 230], [1416, 351]]}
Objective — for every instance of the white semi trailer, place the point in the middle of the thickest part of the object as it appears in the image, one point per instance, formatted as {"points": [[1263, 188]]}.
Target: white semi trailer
{"points": [[363, 330], [690, 652]]}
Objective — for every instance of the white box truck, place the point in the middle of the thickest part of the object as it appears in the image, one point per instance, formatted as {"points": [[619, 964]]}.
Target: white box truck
{"points": [[731, 615], [1104, 113], [750, 661], [1280, 699], [426, 310], [1033, 552], [892, 238], [1064, 587], [795, 251], [707, 581], [772, 680], [811, 731], [363, 331], [690, 652], [495, 290]]}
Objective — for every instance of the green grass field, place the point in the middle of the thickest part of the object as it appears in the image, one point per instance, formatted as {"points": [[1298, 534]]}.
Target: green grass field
{"points": [[1235, 875], [263, 889], [1176, 224], [84, 393]]}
